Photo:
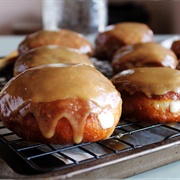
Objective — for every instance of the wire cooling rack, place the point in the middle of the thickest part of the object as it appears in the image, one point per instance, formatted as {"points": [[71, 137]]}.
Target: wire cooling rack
{"points": [[129, 140], [127, 137]]}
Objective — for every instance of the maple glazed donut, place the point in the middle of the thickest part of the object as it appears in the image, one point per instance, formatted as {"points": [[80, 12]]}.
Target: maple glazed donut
{"points": [[62, 37], [148, 54], [150, 94], [50, 54], [60, 104], [119, 35]]}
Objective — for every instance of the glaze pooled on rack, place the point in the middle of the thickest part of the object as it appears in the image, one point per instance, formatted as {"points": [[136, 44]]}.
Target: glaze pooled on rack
{"points": [[62, 105]]}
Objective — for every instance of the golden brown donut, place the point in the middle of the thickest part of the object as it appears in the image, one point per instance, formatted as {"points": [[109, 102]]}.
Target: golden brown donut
{"points": [[60, 104], [62, 37], [149, 54], [175, 47], [150, 94], [119, 35], [48, 55]]}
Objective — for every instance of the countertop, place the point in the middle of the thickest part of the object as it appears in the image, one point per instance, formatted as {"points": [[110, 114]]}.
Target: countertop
{"points": [[171, 171]]}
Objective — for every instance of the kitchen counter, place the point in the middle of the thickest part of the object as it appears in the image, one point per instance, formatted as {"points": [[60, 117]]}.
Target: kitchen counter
{"points": [[7, 45]]}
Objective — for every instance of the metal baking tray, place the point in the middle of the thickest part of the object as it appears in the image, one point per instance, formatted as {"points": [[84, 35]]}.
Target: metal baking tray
{"points": [[134, 147]]}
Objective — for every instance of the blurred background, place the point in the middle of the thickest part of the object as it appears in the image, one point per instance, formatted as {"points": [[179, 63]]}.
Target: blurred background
{"points": [[25, 16]]}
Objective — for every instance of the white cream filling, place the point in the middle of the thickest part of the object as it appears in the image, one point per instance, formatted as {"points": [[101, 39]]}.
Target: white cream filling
{"points": [[174, 106], [106, 119]]}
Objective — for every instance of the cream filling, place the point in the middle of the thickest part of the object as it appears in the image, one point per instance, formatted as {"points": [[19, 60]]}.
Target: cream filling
{"points": [[173, 106], [106, 119], [105, 115]]}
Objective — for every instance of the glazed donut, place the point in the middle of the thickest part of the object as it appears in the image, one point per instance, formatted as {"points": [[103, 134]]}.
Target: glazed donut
{"points": [[150, 94], [60, 104], [175, 47], [48, 55], [119, 35], [148, 54], [62, 37]]}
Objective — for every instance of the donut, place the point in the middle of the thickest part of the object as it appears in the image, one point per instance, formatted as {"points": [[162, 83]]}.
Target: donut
{"points": [[150, 94], [175, 47], [148, 54], [60, 104], [62, 37], [119, 35], [48, 55]]}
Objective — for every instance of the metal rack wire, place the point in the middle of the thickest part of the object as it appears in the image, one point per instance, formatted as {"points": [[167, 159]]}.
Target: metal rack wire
{"points": [[127, 137]]}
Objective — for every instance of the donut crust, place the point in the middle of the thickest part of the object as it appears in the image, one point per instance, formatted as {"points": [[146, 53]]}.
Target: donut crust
{"points": [[28, 127], [119, 35], [155, 109]]}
